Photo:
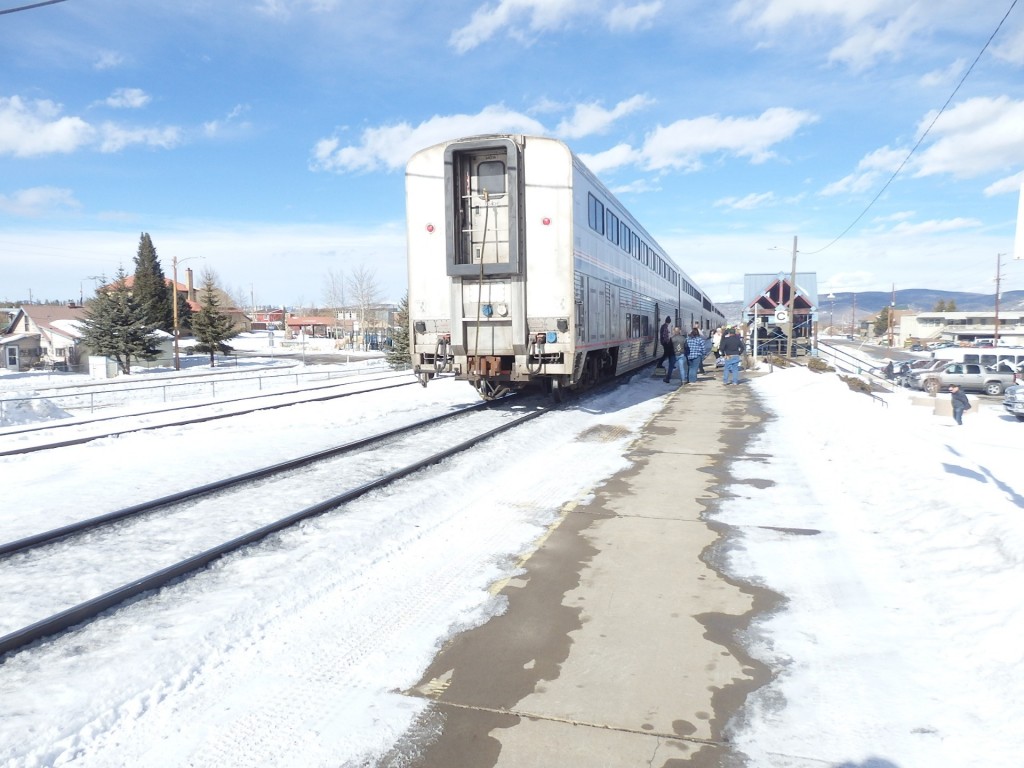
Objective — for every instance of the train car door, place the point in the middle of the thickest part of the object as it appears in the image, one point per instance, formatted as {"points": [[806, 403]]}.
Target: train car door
{"points": [[482, 220]]}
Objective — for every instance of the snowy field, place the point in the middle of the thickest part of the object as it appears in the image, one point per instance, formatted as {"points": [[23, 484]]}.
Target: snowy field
{"points": [[895, 536]]}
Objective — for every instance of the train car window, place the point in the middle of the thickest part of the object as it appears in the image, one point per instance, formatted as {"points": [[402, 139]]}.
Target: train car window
{"points": [[595, 212], [626, 238], [612, 227], [490, 178]]}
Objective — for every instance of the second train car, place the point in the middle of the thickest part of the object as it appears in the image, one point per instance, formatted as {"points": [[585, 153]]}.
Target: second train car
{"points": [[525, 270]]}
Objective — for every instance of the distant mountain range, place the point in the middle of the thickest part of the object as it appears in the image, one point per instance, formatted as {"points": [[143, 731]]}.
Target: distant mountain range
{"points": [[916, 299]]}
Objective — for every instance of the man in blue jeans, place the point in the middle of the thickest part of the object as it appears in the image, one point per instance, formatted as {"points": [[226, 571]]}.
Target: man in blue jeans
{"points": [[731, 347]]}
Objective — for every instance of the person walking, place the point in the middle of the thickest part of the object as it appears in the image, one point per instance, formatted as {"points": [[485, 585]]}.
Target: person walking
{"points": [[665, 337], [960, 404], [731, 347], [696, 350]]}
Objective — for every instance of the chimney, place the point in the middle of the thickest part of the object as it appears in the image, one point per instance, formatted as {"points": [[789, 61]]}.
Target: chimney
{"points": [[191, 291]]}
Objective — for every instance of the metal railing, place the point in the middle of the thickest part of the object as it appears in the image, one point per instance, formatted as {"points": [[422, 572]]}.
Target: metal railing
{"points": [[181, 389]]}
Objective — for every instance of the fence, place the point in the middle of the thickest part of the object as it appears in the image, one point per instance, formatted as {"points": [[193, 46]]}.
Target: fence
{"points": [[85, 399]]}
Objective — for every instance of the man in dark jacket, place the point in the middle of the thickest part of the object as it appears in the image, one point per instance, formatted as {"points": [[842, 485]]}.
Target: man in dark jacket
{"points": [[731, 347], [665, 337], [960, 403]]}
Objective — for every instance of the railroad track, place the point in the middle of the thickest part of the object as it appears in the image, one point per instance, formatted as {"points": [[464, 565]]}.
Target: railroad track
{"points": [[48, 434], [123, 554]]}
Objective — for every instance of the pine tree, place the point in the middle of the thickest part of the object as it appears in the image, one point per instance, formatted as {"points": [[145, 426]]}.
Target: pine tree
{"points": [[881, 324], [951, 305], [210, 326], [940, 306], [115, 325], [150, 287], [398, 355]]}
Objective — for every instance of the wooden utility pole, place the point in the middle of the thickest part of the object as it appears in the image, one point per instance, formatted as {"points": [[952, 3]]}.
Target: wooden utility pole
{"points": [[792, 303], [892, 311], [999, 267]]}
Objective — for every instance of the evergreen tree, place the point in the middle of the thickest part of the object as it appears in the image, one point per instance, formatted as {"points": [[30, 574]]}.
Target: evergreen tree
{"points": [[115, 325], [881, 324], [940, 306], [210, 326], [150, 287], [398, 355], [951, 305]]}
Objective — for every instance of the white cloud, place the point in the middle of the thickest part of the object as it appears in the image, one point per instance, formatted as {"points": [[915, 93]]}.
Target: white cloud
{"points": [[230, 125], [616, 157], [29, 129], [522, 19], [390, 147], [127, 98], [869, 43], [518, 16], [683, 143], [592, 118], [871, 170], [977, 136], [775, 14], [746, 203], [108, 60], [114, 137], [935, 226], [37, 201], [1007, 186], [944, 78], [1010, 48], [630, 18]]}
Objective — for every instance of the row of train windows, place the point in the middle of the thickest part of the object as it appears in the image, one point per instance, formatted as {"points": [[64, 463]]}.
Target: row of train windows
{"points": [[603, 221]]}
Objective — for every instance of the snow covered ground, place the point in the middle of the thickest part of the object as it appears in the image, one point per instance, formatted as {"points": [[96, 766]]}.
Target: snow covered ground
{"points": [[896, 537]]}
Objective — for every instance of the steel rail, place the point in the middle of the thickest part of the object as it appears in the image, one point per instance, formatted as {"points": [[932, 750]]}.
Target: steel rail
{"points": [[91, 609], [48, 537]]}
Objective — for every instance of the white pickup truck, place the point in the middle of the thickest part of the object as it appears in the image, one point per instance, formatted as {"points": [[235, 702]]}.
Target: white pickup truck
{"points": [[1013, 401]]}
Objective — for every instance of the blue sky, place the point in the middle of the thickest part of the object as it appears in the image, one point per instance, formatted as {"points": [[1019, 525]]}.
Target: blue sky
{"points": [[266, 140]]}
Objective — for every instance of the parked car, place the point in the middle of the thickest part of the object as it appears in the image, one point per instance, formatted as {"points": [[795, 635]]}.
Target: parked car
{"points": [[970, 377], [905, 375], [1013, 401]]}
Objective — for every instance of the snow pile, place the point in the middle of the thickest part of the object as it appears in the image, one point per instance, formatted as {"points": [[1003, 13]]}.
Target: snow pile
{"points": [[29, 411]]}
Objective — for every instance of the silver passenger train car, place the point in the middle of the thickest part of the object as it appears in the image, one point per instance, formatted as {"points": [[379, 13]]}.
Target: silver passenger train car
{"points": [[525, 270]]}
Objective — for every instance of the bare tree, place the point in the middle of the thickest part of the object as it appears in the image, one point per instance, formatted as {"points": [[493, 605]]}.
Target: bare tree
{"points": [[364, 293], [334, 295]]}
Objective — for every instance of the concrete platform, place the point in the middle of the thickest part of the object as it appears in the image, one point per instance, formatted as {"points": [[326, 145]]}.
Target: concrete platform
{"points": [[617, 648]]}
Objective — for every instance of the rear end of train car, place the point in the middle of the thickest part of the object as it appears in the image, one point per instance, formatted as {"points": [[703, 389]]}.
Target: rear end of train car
{"points": [[475, 228]]}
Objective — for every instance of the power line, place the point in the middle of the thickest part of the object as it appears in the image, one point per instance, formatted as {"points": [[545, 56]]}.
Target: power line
{"points": [[30, 7], [923, 135]]}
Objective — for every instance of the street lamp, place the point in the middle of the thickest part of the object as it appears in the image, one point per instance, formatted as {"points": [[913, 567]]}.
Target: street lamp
{"points": [[174, 303], [831, 313]]}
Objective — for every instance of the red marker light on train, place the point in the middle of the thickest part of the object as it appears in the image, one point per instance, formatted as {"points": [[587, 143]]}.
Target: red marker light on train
{"points": [[545, 221], [430, 227]]}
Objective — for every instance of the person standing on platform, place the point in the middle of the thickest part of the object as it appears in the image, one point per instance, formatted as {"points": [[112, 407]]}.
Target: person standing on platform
{"points": [[665, 337], [731, 347], [696, 351], [679, 355], [960, 404]]}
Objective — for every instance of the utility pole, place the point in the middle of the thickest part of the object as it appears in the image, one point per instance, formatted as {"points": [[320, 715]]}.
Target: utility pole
{"points": [[892, 311], [853, 317], [792, 303], [999, 267]]}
